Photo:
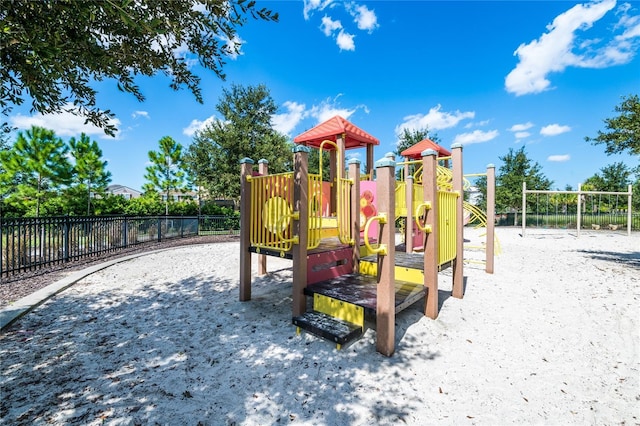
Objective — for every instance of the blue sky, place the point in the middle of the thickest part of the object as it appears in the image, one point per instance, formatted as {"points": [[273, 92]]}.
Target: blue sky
{"points": [[491, 75]]}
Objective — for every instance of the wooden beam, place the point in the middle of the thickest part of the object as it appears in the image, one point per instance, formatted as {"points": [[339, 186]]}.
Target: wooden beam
{"points": [[385, 308], [430, 188], [300, 227], [246, 168]]}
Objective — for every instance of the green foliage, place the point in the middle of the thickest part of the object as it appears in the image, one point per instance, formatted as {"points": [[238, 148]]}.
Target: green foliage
{"points": [[166, 174], [110, 205], [409, 138], [37, 167], [615, 178], [244, 131], [516, 168], [148, 205], [314, 164], [51, 50], [213, 209], [184, 208], [623, 131], [90, 175]]}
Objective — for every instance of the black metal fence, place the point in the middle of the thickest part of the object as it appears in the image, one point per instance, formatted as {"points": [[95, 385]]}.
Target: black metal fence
{"points": [[31, 243], [606, 220]]}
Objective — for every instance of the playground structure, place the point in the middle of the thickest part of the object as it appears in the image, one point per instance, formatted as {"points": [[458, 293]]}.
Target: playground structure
{"points": [[581, 203], [340, 235]]}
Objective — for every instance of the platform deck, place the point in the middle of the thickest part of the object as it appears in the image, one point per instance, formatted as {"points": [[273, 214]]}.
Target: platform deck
{"points": [[405, 260], [361, 290], [327, 244]]}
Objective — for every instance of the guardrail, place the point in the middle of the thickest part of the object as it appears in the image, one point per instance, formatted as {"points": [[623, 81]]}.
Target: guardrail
{"points": [[27, 244]]}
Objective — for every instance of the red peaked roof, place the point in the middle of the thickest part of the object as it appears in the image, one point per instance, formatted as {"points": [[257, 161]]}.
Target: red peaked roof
{"points": [[355, 137], [415, 152]]}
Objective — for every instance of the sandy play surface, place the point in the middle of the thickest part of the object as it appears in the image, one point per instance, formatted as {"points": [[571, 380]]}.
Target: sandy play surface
{"points": [[553, 337]]}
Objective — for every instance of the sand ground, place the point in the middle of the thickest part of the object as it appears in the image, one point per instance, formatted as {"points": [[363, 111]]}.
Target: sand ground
{"points": [[552, 337]]}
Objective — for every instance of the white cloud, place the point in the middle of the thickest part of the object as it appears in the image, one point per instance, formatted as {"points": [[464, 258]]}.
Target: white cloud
{"points": [[365, 19], [345, 41], [477, 136], [286, 122], [328, 25], [520, 127], [329, 108], [477, 124], [522, 135], [433, 120], [554, 130], [197, 125], [559, 158], [312, 5], [558, 48], [137, 114], [233, 46], [63, 123]]}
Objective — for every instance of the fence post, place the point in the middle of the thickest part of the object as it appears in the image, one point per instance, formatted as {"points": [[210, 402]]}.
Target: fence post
{"points": [[159, 229], [524, 206], [579, 217], [65, 239], [629, 205], [182, 226], [126, 232]]}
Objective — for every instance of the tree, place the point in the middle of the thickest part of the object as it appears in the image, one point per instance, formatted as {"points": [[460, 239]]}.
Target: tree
{"points": [[38, 164], [51, 51], [409, 138], [244, 131], [623, 131], [166, 174], [614, 178], [516, 168], [89, 172]]}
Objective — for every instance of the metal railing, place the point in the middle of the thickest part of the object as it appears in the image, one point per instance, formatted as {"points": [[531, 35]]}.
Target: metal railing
{"points": [[27, 244], [569, 220]]}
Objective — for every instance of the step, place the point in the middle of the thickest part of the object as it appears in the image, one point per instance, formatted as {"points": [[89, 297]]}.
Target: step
{"points": [[361, 291], [409, 267], [322, 325]]}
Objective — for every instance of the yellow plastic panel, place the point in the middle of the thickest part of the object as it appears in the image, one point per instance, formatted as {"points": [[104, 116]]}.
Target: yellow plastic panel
{"points": [[339, 309]]}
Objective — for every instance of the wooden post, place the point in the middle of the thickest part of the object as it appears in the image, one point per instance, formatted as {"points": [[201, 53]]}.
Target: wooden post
{"points": [[263, 169], [385, 308], [354, 175], [491, 221], [408, 232], [430, 188], [457, 289], [369, 163], [300, 227], [246, 167]]}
